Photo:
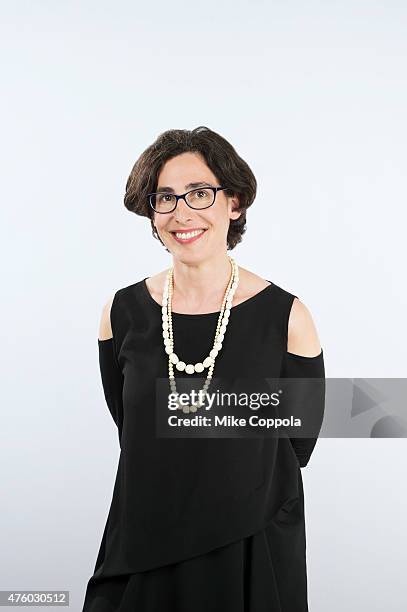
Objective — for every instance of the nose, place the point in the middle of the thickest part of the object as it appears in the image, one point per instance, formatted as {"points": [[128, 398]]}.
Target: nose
{"points": [[182, 212]]}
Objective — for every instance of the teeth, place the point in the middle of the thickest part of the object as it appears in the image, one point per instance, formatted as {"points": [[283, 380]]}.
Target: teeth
{"points": [[187, 235]]}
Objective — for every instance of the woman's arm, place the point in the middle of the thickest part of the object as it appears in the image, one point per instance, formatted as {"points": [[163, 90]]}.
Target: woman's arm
{"points": [[304, 359], [302, 334], [105, 326], [111, 374]]}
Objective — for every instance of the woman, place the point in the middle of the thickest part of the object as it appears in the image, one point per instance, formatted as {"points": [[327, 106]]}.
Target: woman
{"points": [[200, 524]]}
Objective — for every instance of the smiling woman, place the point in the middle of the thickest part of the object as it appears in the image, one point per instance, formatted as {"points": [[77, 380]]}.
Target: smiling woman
{"points": [[201, 215], [208, 524], [220, 167]]}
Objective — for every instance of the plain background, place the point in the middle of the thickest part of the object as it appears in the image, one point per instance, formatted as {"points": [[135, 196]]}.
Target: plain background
{"points": [[313, 96]]}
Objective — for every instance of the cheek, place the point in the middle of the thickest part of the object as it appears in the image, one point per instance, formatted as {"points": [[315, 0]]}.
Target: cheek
{"points": [[159, 222], [219, 220]]}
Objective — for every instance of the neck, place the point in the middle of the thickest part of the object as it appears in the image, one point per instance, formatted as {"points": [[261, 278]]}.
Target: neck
{"points": [[194, 283]]}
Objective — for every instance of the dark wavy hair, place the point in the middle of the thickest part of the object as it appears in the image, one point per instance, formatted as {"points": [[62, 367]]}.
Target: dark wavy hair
{"points": [[228, 167]]}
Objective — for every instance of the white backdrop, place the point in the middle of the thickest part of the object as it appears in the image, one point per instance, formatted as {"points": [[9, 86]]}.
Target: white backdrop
{"points": [[313, 96]]}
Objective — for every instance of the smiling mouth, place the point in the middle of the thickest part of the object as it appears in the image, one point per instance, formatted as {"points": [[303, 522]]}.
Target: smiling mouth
{"points": [[189, 236]]}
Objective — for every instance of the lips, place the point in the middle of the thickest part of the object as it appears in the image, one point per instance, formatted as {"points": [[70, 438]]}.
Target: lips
{"points": [[188, 236], [185, 231]]}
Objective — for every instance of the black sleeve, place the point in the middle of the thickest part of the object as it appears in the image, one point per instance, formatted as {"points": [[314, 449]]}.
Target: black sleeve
{"points": [[311, 397], [112, 381]]}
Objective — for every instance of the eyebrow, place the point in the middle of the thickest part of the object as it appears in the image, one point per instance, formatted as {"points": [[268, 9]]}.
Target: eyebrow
{"points": [[187, 187]]}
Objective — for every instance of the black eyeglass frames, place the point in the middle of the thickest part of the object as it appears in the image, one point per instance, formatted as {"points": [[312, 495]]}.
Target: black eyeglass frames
{"points": [[198, 199]]}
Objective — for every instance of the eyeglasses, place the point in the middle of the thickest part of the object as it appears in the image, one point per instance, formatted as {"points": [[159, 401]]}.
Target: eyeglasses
{"points": [[198, 199]]}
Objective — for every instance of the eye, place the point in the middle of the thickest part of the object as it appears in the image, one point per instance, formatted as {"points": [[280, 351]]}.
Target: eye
{"points": [[162, 196]]}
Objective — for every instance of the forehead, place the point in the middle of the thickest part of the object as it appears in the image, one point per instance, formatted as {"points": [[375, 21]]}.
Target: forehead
{"points": [[185, 171]]}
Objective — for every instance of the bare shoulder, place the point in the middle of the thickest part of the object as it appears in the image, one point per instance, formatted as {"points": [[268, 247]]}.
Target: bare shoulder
{"points": [[105, 327], [302, 334]]}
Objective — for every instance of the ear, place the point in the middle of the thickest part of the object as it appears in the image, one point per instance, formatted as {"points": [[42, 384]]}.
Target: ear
{"points": [[234, 212]]}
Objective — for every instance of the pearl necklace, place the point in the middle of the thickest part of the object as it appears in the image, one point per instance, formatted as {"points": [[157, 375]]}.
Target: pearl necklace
{"points": [[167, 329]]}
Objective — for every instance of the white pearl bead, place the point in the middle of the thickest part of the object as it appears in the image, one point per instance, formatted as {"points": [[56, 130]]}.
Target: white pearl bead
{"points": [[165, 325], [218, 346], [168, 350], [166, 333], [199, 367], [174, 358], [180, 365], [163, 310], [190, 369], [213, 353], [222, 328], [167, 341], [207, 362], [164, 317], [221, 337]]}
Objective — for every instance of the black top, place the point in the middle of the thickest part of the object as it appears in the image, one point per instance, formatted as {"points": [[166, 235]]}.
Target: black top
{"points": [[177, 498]]}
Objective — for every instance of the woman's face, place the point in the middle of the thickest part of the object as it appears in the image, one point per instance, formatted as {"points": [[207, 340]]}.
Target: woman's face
{"points": [[177, 174]]}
